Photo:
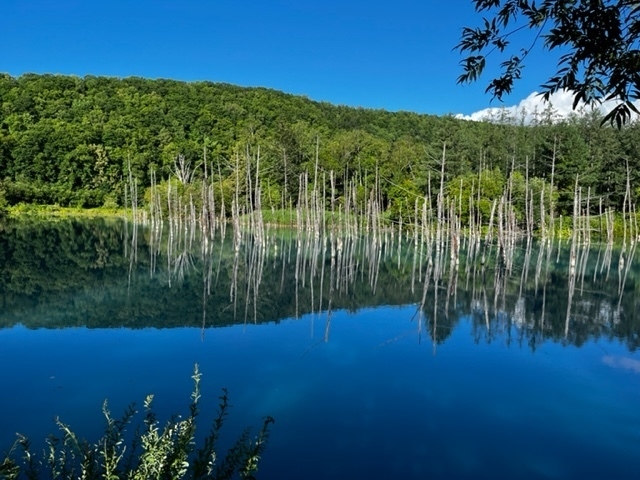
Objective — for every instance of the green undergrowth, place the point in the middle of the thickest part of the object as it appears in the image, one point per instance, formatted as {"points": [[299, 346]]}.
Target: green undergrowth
{"points": [[152, 451], [30, 210], [289, 218]]}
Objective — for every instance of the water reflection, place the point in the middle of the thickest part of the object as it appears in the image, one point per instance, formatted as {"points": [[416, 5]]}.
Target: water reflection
{"points": [[114, 274], [360, 390]]}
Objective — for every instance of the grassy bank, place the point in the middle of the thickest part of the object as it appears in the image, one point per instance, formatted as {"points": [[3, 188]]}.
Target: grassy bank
{"points": [[26, 210]]}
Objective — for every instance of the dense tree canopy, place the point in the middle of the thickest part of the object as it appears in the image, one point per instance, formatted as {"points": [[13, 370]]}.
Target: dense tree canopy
{"points": [[69, 141], [597, 42]]}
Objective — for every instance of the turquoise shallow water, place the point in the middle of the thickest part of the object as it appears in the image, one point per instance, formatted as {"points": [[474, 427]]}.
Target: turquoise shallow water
{"points": [[365, 391]]}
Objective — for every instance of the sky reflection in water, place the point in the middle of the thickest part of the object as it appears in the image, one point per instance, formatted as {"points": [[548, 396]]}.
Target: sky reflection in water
{"points": [[359, 393]]}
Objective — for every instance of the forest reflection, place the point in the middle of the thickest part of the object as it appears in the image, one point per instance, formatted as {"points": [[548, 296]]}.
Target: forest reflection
{"points": [[107, 274]]}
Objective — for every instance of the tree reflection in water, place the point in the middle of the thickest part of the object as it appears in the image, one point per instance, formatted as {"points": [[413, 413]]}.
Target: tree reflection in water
{"points": [[111, 274]]}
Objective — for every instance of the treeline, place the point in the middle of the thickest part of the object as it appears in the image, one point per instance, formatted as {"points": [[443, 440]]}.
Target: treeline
{"points": [[72, 141]]}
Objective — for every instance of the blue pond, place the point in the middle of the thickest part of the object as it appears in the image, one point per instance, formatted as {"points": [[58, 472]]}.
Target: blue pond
{"points": [[486, 375]]}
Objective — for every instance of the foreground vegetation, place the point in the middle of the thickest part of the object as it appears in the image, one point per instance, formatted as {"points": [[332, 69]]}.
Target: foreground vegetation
{"points": [[151, 452]]}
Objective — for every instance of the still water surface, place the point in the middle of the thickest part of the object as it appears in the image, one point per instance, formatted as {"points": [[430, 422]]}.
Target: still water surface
{"points": [[366, 375]]}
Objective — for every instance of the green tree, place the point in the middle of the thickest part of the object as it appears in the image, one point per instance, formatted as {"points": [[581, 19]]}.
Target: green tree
{"points": [[597, 42]]}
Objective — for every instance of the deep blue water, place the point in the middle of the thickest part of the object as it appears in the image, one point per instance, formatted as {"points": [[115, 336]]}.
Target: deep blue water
{"points": [[358, 392]]}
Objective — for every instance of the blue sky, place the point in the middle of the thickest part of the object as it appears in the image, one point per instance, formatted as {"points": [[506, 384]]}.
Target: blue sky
{"points": [[393, 55]]}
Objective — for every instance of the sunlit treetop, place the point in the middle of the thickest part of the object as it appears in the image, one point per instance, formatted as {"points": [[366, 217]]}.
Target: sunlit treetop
{"points": [[598, 42]]}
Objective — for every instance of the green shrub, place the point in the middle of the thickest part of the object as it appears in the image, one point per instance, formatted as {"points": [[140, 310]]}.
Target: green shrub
{"points": [[4, 205], [155, 452]]}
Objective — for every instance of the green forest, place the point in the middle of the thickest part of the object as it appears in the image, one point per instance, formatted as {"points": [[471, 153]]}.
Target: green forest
{"points": [[70, 141]]}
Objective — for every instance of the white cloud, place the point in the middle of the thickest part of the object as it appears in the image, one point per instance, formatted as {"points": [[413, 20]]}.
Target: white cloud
{"points": [[625, 363], [559, 106]]}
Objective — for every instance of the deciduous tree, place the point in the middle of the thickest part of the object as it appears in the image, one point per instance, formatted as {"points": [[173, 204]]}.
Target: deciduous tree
{"points": [[597, 42]]}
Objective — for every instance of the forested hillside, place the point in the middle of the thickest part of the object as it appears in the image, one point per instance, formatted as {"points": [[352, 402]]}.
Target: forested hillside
{"points": [[69, 141]]}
